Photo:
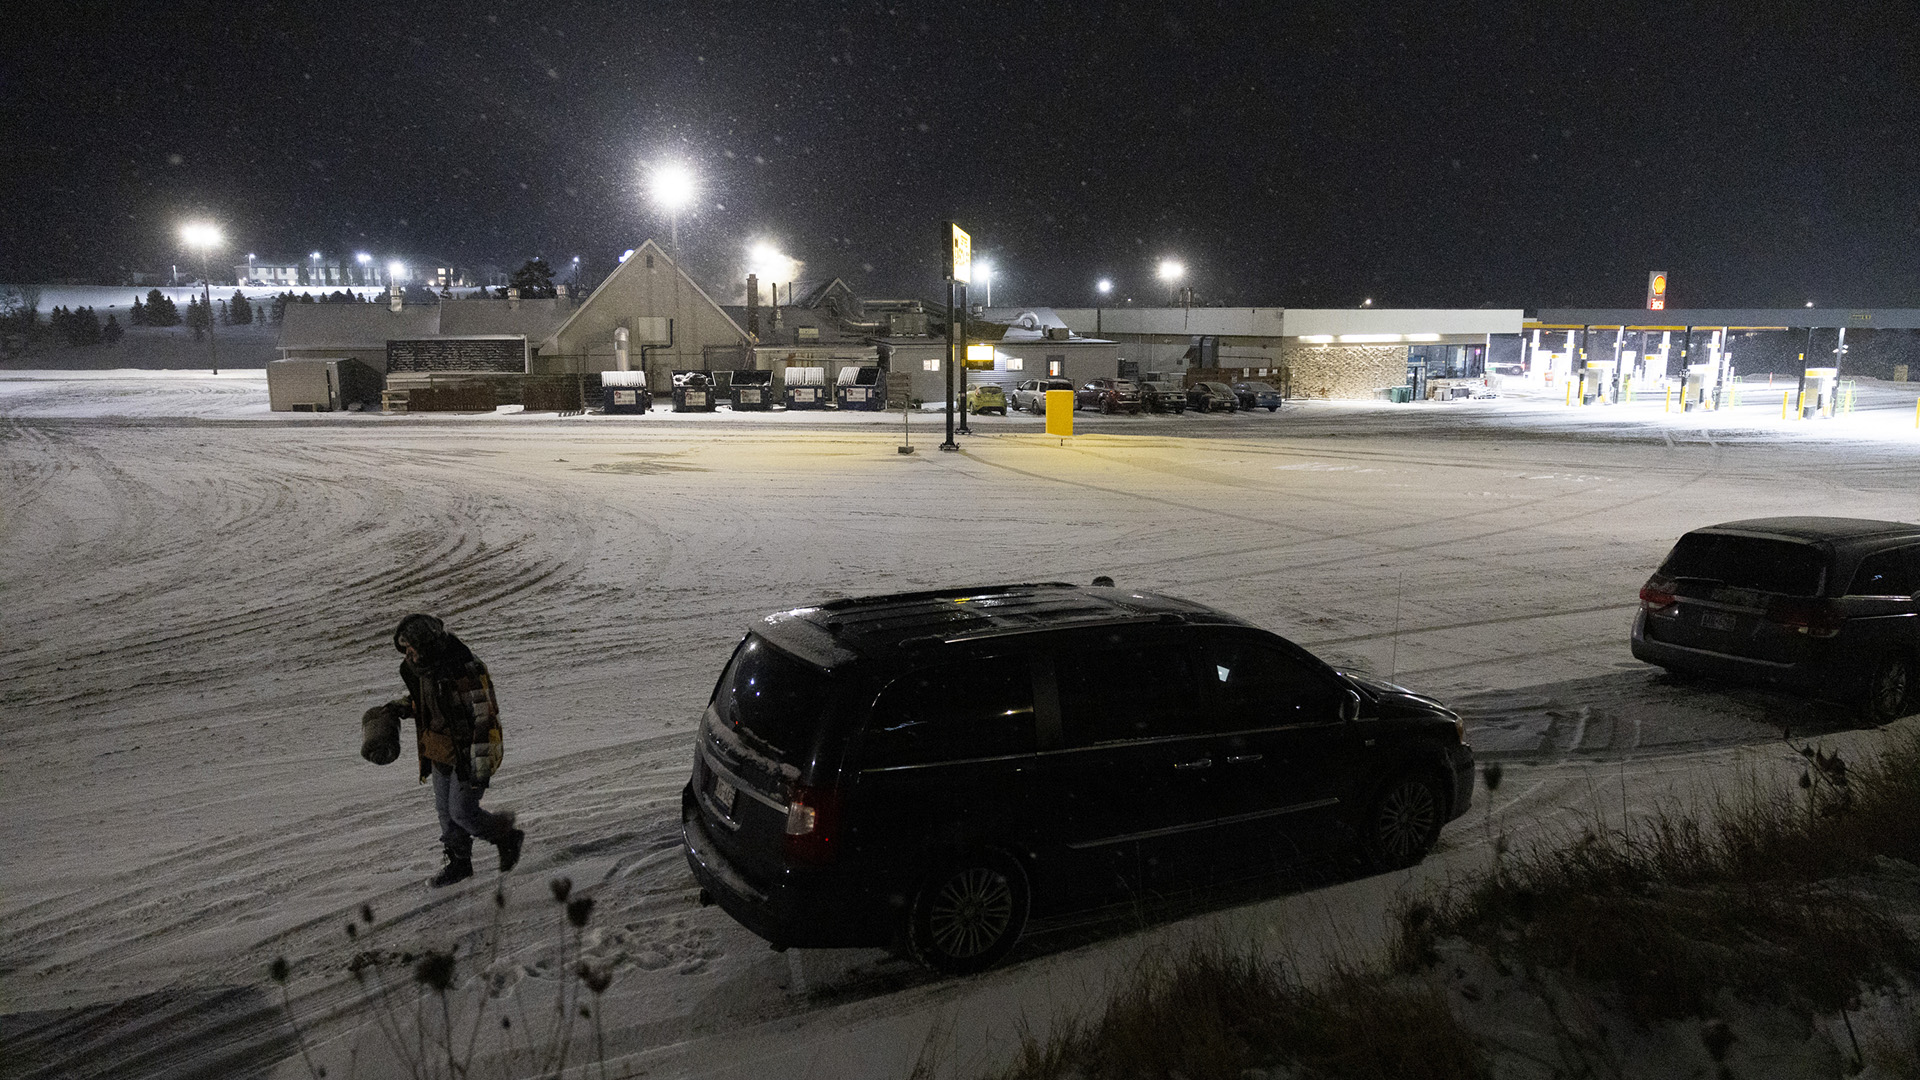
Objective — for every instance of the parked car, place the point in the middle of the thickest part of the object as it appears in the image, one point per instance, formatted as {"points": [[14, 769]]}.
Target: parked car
{"points": [[1031, 395], [985, 398], [1257, 395], [1163, 397], [1212, 397], [935, 768], [1826, 606], [1109, 396]]}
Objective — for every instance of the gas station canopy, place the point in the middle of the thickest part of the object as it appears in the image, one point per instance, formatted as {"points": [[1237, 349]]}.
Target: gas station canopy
{"points": [[1730, 318]]}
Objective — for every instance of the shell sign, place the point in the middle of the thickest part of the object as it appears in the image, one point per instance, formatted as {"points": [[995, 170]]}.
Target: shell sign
{"points": [[1657, 290]]}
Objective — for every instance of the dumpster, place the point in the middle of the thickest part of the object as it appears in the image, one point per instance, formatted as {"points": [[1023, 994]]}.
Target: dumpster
{"points": [[807, 388], [861, 388], [692, 391], [1400, 395], [625, 393], [752, 391]]}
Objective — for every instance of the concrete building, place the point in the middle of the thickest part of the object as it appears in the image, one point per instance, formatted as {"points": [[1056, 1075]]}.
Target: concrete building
{"points": [[1316, 352]]}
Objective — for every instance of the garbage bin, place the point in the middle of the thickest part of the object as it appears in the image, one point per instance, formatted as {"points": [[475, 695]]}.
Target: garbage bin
{"points": [[625, 392], [752, 391], [692, 391], [807, 388], [860, 388], [1400, 395]]}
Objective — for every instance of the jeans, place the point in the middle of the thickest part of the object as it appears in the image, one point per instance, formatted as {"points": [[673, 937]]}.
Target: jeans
{"points": [[461, 818]]}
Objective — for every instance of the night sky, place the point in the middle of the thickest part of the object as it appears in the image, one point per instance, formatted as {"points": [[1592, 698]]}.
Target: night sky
{"points": [[1428, 155]]}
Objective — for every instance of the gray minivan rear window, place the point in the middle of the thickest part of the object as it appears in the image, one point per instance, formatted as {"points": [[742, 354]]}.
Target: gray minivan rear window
{"points": [[1749, 562], [775, 699]]}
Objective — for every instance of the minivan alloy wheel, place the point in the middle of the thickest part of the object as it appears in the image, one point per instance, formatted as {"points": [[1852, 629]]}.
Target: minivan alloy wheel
{"points": [[1405, 821], [969, 914], [1890, 687]]}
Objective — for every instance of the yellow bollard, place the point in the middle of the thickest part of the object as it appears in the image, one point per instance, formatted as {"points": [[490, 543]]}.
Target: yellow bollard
{"points": [[1569, 393], [1800, 412], [1916, 412], [1669, 398], [1059, 412], [1783, 404]]}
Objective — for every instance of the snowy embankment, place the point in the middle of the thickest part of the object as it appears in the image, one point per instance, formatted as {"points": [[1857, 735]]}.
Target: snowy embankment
{"points": [[198, 610]]}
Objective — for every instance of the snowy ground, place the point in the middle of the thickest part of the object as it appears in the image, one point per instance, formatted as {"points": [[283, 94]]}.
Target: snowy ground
{"points": [[198, 596]]}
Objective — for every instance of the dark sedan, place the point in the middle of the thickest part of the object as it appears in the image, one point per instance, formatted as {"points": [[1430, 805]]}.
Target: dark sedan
{"points": [[1258, 395], [1212, 397]]}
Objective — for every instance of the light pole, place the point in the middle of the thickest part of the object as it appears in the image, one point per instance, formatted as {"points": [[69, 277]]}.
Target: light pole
{"points": [[206, 238], [673, 188], [985, 272], [249, 266], [315, 279], [1105, 288], [366, 264]]}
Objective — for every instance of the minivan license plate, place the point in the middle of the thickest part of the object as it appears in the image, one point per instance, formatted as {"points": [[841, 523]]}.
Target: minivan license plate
{"points": [[723, 794], [1719, 620]]}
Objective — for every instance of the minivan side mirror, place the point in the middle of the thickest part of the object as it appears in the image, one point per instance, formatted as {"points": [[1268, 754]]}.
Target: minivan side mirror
{"points": [[1350, 706]]}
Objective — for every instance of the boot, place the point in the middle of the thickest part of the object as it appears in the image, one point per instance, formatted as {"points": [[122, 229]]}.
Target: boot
{"points": [[457, 869], [510, 848]]}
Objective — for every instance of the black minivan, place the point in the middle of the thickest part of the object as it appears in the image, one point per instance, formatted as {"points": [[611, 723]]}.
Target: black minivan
{"points": [[926, 770], [1826, 606]]}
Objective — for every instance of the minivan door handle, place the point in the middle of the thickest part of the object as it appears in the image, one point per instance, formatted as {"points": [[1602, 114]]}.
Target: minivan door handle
{"points": [[1241, 759], [1202, 763]]}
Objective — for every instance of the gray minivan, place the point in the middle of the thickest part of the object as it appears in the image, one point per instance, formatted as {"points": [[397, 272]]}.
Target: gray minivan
{"points": [[1827, 606], [927, 770]]}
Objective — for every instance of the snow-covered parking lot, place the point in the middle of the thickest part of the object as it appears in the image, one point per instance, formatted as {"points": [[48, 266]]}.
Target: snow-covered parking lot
{"points": [[198, 598]]}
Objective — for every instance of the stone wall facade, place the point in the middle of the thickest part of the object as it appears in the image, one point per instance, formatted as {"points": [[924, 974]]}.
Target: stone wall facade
{"points": [[1344, 371]]}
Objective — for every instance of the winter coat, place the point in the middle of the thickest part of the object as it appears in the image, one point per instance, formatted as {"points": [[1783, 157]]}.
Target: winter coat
{"points": [[455, 717]]}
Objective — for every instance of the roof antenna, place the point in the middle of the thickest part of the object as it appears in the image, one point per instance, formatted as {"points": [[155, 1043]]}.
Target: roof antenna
{"points": [[1393, 665], [1103, 582]]}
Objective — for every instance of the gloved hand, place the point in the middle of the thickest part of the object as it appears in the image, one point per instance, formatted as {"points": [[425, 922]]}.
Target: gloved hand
{"points": [[485, 757]]}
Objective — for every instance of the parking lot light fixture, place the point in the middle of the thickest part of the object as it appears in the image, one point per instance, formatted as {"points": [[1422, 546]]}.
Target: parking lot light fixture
{"points": [[205, 237], [673, 188]]}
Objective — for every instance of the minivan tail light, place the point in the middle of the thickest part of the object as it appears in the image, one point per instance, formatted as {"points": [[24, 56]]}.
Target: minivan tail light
{"points": [[1657, 594], [1814, 618], [813, 825]]}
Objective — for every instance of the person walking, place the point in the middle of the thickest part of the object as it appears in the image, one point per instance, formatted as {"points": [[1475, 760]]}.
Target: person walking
{"points": [[457, 722]]}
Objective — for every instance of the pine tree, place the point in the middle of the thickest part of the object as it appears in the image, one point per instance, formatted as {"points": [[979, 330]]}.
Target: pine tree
{"points": [[138, 316], [161, 310], [534, 279], [111, 332], [86, 327], [197, 317], [239, 310]]}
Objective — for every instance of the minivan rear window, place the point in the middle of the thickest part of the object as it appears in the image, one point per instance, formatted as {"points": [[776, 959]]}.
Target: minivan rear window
{"points": [[773, 698], [1749, 562]]}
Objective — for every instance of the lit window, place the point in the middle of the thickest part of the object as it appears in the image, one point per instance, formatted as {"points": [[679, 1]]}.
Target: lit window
{"points": [[1015, 363], [930, 365], [1056, 367]]}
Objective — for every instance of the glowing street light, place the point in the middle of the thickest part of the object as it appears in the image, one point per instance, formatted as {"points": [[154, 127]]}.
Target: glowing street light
{"points": [[1171, 270], [983, 273], [365, 260], [206, 238], [673, 188], [396, 271], [1368, 302], [1105, 287]]}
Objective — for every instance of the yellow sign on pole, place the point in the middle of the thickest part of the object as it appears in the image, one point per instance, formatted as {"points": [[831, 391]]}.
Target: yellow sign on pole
{"points": [[1059, 412], [960, 264]]}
